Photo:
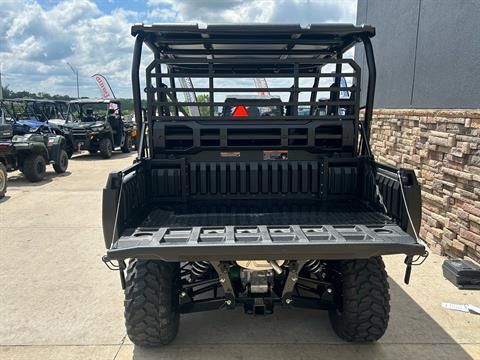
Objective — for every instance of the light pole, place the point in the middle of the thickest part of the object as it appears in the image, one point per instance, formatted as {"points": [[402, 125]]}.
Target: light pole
{"points": [[75, 72]]}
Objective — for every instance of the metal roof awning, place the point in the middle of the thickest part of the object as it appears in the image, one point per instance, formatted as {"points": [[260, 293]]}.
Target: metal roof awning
{"points": [[255, 41]]}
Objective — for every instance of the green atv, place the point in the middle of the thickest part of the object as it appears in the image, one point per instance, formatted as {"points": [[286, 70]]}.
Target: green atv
{"points": [[30, 154]]}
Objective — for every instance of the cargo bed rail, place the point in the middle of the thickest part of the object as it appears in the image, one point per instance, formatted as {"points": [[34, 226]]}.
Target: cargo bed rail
{"points": [[264, 242]]}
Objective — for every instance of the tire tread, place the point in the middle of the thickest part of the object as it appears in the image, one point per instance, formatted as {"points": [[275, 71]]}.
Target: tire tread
{"points": [[29, 168], [151, 316], [3, 170], [59, 169], [105, 151], [366, 301]]}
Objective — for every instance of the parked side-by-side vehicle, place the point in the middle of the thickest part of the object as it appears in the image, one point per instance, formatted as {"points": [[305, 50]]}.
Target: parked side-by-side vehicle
{"points": [[270, 201], [96, 125]]}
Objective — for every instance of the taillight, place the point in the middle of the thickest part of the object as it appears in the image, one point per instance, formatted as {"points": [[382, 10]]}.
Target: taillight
{"points": [[240, 110]]}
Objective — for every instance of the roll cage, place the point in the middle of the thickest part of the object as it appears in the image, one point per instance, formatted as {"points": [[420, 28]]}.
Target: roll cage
{"points": [[81, 105], [216, 53], [38, 109]]}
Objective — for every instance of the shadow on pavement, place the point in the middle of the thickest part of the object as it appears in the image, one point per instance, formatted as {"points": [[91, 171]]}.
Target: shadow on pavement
{"points": [[5, 198], [20, 181], [93, 157], [305, 334]]}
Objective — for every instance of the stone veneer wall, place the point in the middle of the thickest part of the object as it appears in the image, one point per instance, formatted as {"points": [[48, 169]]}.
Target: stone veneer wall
{"points": [[443, 146]]}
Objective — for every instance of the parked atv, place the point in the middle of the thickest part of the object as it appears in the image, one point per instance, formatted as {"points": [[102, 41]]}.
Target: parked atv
{"points": [[31, 153]]}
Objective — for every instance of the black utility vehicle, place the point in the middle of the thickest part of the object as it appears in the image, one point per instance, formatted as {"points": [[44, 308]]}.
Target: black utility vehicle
{"points": [[97, 125], [234, 208], [30, 153]]}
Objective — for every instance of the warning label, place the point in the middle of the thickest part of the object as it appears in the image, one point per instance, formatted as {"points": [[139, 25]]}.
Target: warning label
{"points": [[230, 154], [275, 155]]}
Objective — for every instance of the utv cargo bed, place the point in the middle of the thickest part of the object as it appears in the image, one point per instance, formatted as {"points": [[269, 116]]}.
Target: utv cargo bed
{"points": [[212, 226], [266, 212]]}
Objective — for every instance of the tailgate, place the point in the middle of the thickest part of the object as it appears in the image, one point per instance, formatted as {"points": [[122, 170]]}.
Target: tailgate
{"points": [[265, 242]]}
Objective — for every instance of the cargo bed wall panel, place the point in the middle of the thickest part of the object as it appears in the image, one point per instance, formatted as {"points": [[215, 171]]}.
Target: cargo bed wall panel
{"points": [[342, 180], [166, 182], [255, 178]]}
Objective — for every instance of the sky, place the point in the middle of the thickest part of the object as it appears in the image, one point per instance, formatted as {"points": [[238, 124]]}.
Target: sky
{"points": [[39, 37]]}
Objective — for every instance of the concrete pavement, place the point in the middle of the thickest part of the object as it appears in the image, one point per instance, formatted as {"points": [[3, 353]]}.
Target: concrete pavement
{"points": [[58, 300]]}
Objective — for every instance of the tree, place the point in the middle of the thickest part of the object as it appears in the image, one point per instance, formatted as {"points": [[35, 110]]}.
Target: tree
{"points": [[204, 110], [10, 94]]}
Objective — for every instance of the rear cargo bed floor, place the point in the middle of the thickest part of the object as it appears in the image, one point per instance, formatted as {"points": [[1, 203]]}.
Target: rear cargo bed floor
{"points": [[263, 212]]}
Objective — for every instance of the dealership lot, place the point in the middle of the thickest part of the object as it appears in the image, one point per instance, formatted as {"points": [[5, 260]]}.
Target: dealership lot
{"points": [[59, 301]]}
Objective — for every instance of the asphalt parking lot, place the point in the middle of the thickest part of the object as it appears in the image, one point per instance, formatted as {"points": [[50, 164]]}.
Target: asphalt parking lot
{"points": [[58, 300]]}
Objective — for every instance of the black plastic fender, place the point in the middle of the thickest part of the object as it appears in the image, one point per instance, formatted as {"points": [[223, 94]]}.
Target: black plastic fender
{"points": [[55, 145], [24, 148]]}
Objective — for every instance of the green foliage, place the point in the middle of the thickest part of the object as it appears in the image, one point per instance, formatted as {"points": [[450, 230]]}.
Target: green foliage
{"points": [[10, 94], [204, 110]]}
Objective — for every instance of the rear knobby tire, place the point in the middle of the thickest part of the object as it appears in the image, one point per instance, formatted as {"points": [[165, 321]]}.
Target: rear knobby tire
{"points": [[363, 307], [34, 167], [3, 180], [61, 166], [106, 148], [151, 302]]}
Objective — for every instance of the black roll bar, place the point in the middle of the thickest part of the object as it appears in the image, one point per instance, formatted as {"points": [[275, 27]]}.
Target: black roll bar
{"points": [[137, 98], [372, 77], [145, 34]]}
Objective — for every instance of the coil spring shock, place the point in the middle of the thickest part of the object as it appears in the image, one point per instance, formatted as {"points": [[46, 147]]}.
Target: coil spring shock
{"points": [[199, 268], [314, 267]]}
